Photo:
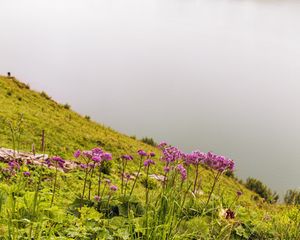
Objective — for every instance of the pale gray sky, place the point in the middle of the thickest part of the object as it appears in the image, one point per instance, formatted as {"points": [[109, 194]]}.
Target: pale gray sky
{"points": [[219, 75]]}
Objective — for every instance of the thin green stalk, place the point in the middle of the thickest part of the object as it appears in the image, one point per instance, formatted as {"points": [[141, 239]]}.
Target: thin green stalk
{"points": [[138, 174], [84, 185], [212, 189], [147, 200], [90, 183], [99, 181], [196, 178], [54, 185], [123, 171]]}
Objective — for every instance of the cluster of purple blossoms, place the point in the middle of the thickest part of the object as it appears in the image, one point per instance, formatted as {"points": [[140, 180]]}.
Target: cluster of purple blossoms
{"points": [[127, 157], [162, 145], [97, 155], [97, 198], [142, 153], [152, 154], [55, 161], [219, 162], [194, 158], [113, 188], [13, 165], [171, 154], [148, 162], [26, 174], [127, 176], [58, 161], [182, 172], [167, 169], [212, 160]]}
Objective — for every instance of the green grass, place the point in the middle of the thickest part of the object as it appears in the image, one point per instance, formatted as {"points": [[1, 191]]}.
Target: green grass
{"points": [[66, 131]]}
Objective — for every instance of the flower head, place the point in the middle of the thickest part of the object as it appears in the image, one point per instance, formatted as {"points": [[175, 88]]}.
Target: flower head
{"points": [[96, 158], [106, 156], [171, 154], [13, 165], [219, 162], [97, 198], [26, 174], [148, 162], [162, 145], [167, 169], [127, 157], [113, 188], [87, 154], [77, 153], [182, 172], [239, 193], [83, 166], [107, 181], [194, 158], [142, 153], [97, 151]]}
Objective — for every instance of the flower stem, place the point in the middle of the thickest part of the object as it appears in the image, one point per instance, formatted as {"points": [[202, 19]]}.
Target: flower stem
{"points": [[138, 174], [196, 179], [54, 185], [84, 185], [212, 188]]}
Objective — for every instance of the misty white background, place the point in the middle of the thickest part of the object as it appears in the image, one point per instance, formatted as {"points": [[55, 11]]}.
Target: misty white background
{"points": [[219, 75]]}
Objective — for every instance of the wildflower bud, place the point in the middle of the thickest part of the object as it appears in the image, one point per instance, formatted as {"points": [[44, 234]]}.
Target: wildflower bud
{"points": [[148, 162], [77, 154], [113, 188], [97, 198], [26, 174], [142, 153]]}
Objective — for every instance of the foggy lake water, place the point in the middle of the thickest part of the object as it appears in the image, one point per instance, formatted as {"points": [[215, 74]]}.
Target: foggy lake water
{"points": [[220, 75]]}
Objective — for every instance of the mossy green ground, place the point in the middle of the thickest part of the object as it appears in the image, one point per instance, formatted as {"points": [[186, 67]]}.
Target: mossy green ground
{"points": [[66, 131]]}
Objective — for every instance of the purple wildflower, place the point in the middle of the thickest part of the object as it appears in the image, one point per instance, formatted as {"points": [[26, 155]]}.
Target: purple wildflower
{"points": [[106, 156], [127, 157], [218, 162], [167, 169], [77, 153], [152, 154], [239, 193], [148, 162], [142, 153], [113, 188], [56, 158], [87, 154], [26, 174], [194, 158], [97, 198], [83, 166], [97, 151], [96, 158], [162, 145], [13, 165], [182, 172], [107, 181], [171, 154]]}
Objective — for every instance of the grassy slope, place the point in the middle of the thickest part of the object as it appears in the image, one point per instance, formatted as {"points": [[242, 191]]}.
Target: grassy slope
{"points": [[67, 131]]}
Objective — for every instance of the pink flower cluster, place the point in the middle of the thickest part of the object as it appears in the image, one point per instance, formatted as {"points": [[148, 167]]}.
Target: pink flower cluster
{"points": [[219, 162], [97, 155], [172, 154]]}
